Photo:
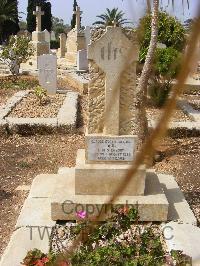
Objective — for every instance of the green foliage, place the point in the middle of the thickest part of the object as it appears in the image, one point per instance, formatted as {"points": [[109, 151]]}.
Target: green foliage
{"points": [[120, 241], [180, 258], [54, 44], [73, 21], [114, 243], [41, 94], [18, 51], [36, 257], [166, 66], [112, 17], [167, 62], [59, 26], [170, 32], [8, 18], [46, 19], [18, 84], [159, 92], [23, 25]]}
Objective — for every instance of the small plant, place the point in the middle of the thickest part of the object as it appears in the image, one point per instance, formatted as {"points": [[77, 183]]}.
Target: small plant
{"points": [[41, 94], [24, 164], [17, 51], [166, 67]]}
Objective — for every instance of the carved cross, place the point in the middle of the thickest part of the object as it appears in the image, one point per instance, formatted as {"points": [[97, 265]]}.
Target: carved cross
{"points": [[38, 13], [78, 14], [113, 52]]}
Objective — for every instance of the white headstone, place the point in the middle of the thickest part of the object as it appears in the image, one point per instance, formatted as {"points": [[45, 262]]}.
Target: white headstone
{"points": [[47, 36], [87, 36], [82, 61], [53, 36], [47, 66]]}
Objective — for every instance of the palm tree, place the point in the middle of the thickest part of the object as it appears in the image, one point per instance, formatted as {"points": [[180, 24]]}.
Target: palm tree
{"points": [[7, 12], [111, 17]]}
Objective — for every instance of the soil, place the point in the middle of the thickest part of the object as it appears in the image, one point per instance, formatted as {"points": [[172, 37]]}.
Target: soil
{"points": [[30, 106]]}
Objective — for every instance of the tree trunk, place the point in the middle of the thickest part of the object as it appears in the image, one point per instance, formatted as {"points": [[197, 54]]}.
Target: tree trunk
{"points": [[146, 72]]}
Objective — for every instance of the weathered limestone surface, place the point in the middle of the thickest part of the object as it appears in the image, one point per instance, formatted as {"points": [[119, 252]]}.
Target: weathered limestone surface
{"points": [[126, 80], [62, 49], [35, 212], [75, 42], [104, 179], [153, 206], [184, 237]]}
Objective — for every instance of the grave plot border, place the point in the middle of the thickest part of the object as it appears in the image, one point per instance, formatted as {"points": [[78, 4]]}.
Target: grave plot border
{"points": [[65, 122]]}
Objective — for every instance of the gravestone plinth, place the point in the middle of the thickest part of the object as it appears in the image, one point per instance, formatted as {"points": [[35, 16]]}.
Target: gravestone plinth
{"points": [[41, 46], [111, 138]]}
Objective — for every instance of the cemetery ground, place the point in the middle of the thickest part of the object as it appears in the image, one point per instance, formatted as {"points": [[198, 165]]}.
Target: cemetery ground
{"points": [[24, 157]]}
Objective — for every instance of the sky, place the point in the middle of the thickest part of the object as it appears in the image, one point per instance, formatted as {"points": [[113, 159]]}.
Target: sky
{"points": [[133, 9]]}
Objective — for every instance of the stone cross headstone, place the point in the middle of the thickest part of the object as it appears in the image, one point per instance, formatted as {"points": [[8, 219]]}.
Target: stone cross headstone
{"points": [[112, 53], [78, 14], [38, 13], [47, 66]]}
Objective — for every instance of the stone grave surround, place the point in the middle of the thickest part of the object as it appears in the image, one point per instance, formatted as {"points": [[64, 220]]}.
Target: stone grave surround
{"points": [[38, 37], [111, 138]]}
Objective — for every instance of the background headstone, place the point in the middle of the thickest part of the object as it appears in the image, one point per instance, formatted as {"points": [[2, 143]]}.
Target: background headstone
{"points": [[53, 36], [87, 36], [62, 49], [47, 66], [47, 36], [82, 61]]}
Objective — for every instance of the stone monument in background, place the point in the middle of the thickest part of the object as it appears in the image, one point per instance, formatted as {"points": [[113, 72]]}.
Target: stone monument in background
{"points": [[111, 138], [75, 40], [38, 37], [62, 49]]}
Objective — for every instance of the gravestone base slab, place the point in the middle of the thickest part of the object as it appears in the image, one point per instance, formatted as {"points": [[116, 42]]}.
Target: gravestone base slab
{"points": [[153, 206], [104, 179]]}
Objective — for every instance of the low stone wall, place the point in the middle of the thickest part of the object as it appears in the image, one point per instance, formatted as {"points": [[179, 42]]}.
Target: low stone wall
{"points": [[65, 122]]}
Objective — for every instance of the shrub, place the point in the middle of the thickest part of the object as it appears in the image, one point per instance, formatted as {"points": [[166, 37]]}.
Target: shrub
{"points": [[18, 51], [54, 44], [166, 66], [170, 32]]}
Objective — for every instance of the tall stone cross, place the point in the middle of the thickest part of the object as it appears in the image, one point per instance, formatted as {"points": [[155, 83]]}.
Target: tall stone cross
{"points": [[78, 14], [38, 13], [113, 52]]}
